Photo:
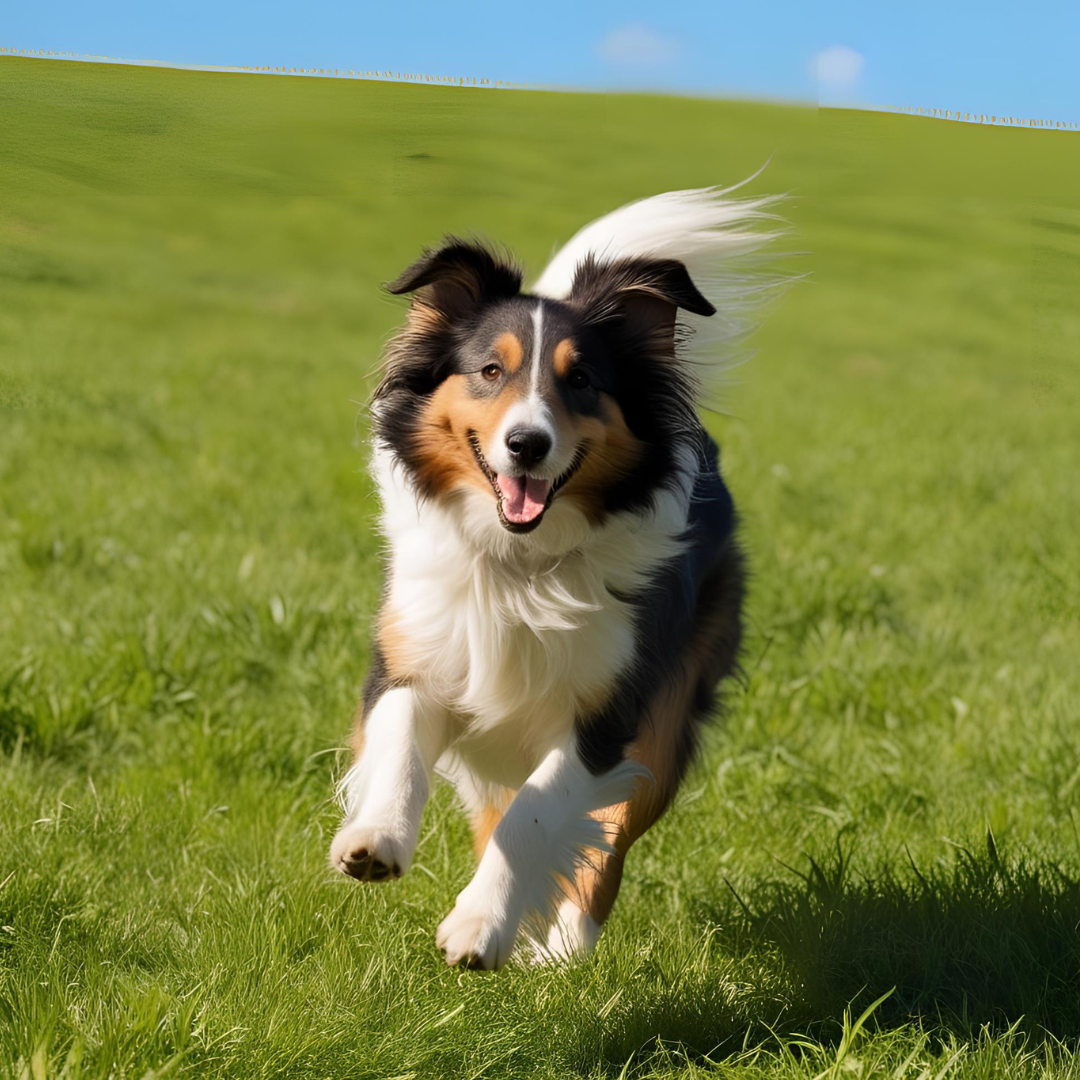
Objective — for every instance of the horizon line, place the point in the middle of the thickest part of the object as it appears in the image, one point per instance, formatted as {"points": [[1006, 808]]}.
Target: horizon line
{"points": [[479, 82]]}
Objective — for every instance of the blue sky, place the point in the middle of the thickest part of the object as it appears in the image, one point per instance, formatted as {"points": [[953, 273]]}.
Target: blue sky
{"points": [[1017, 60]]}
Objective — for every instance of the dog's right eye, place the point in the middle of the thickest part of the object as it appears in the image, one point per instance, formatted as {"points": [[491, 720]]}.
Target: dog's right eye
{"points": [[491, 372]]}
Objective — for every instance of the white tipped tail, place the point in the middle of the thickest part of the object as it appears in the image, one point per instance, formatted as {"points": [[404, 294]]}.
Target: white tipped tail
{"points": [[716, 238]]}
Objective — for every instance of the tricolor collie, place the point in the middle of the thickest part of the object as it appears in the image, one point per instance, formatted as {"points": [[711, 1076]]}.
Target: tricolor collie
{"points": [[564, 585]]}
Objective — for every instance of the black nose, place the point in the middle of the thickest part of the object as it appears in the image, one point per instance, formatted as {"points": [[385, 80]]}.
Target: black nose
{"points": [[528, 446]]}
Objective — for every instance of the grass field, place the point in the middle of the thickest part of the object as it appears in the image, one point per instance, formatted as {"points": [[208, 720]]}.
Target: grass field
{"points": [[189, 312]]}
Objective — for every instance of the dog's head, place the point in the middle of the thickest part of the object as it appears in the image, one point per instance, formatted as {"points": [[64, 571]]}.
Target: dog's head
{"points": [[541, 408]]}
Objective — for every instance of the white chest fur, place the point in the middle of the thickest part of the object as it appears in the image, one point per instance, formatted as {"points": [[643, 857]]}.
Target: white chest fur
{"points": [[516, 636]]}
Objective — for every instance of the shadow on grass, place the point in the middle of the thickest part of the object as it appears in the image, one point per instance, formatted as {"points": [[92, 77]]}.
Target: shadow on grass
{"points": [[983, 941], [980, 947]]}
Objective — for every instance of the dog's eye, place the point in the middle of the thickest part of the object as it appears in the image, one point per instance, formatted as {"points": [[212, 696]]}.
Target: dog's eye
{"points": [[578, 378], [491, 372]]}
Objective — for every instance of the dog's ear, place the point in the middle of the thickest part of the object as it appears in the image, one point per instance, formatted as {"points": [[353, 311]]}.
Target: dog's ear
{"points": [[455, 279], [642, 295], [449, 285]]}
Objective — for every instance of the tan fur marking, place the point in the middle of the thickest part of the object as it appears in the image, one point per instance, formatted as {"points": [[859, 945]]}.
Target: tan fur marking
{"points": [[356, 736], [613, 452], [424, 318], [511, 351], [445, 458], [485, 821], [394, 645], [483, 825], [564, 357]]}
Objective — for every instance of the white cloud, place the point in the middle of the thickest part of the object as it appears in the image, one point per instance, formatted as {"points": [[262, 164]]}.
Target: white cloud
{"points": [[637, 46], [837, 67]]}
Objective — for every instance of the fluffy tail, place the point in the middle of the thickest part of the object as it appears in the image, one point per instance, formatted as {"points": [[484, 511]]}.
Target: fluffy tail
{"points": [[718, 239]]}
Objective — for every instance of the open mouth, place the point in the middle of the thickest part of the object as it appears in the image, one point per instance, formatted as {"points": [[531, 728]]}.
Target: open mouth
{"points": [[522, 499]]}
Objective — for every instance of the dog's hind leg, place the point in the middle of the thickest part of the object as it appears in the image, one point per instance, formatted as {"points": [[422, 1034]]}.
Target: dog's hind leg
{"points": [[399, 740], [665, 744], [539, 837], [589, 897]]}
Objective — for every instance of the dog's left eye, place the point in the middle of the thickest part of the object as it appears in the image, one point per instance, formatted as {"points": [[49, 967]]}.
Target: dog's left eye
{"points": [[578, 379], [491, 372]]}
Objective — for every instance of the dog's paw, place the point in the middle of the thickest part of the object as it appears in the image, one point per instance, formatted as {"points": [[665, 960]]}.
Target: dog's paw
{"points": [[370, 853], [475, 936]]}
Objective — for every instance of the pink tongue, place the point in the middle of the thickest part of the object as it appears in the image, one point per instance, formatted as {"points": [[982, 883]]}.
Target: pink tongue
{"points": [[523, 497]]}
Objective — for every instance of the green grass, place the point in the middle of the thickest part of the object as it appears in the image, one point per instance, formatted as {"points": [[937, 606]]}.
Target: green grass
{"points": [[189, 310]]}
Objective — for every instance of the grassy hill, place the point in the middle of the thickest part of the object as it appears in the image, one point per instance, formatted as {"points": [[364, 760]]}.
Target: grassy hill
{"points": [[189, 313]]}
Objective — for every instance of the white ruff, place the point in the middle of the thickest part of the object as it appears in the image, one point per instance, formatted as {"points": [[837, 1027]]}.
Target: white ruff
{"points": [[516, 635]]}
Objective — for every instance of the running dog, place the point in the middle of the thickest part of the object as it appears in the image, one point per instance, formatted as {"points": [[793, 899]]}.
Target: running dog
{"points": [[564, 585]]}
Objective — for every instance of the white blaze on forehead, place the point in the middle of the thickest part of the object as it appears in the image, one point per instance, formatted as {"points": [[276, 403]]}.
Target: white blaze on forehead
{"points": [[532, 411], [538, 350]]}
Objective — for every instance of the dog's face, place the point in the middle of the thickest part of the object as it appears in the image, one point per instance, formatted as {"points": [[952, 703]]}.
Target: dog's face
{"points": [[533, 403]]}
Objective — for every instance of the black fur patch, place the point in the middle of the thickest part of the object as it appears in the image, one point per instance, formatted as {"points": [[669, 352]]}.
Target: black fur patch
{"points": [[609, 290], [376, 682], [703, 584], [631, 305], [460, 274]]}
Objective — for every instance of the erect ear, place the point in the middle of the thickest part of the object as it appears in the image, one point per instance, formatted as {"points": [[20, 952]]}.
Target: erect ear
{"points": [[455, 279], [642, 294]]}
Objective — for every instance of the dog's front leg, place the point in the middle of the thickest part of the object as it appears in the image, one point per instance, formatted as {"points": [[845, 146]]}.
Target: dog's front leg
{"points": [[541, 835], [385, 790]]}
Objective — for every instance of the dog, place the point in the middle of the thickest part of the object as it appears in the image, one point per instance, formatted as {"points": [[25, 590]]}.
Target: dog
{"points": [[564, 586]]}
